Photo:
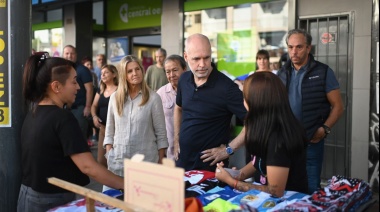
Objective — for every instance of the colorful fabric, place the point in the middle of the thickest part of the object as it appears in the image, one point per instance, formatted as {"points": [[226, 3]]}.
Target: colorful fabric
{"points": [[225, 193], [342, 192], [201, 188], [193, 204], [197, 176], [263, 201], [220, 205]]}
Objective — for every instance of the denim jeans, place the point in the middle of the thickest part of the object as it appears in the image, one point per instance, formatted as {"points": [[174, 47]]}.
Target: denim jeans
{"points": [[314, 164], [33, 201]]}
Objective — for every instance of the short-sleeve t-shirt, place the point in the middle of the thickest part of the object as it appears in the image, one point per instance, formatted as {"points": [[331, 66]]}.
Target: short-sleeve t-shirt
{"points": [[83, 76], [48, 137], [278, 156], [206, 116]]}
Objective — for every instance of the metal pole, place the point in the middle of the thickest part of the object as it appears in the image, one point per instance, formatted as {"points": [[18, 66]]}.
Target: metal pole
{"points": [[15, 47]]}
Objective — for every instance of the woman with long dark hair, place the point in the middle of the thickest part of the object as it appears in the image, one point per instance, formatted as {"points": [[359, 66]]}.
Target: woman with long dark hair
{"points": [[274, 138]]}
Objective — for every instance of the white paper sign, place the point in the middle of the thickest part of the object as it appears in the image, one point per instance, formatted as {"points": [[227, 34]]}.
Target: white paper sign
{"points": [[154, 187]]}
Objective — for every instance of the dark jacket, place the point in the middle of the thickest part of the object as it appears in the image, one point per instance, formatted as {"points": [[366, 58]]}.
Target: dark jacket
{"points": [[315, 105]]}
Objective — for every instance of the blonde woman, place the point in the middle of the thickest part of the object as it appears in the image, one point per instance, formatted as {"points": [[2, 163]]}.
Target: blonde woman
{"points": [[135, 119], [99, 108]]}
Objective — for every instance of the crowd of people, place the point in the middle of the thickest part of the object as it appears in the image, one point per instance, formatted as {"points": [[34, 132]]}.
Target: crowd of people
{"points": [[179, 108]]}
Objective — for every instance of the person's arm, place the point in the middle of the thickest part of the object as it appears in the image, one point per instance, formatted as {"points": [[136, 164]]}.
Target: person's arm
{"points": [[277, 178], [177, 127], [161, 155], [110, 126], [94, 108], [247, 171], [219, 153], [336, 111], [87, 165], [89, 89]]}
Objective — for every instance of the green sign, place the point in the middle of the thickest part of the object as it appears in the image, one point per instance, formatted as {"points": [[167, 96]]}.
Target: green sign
{"points": [[132, 14], [193, 5], [236, 51]]}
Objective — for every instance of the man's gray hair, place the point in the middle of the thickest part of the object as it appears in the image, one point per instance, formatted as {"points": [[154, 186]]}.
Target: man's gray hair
{"points": [[300, 31]]}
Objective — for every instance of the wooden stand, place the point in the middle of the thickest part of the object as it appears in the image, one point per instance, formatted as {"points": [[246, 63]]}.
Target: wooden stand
{"points": [[91, 196], [166, 196]]}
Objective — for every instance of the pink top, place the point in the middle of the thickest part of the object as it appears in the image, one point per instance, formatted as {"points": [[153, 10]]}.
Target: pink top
{"points": [[168, 96]]}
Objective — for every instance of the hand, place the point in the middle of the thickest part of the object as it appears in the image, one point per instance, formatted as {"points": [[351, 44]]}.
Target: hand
{"points": [[221, 174], [318, 135], [108, 147], [176, 149], [97, 121], [86, 111], [215, 154]]}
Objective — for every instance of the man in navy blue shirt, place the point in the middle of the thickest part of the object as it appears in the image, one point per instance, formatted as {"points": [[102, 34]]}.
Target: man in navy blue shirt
{"points": [[82, 105], [206, 100]]}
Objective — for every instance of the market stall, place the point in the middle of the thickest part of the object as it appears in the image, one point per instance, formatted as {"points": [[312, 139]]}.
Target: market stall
{"points": [[153, 187]]}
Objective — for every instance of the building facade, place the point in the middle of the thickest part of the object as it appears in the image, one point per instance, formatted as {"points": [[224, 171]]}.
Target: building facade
{"points": [[345, 36]]}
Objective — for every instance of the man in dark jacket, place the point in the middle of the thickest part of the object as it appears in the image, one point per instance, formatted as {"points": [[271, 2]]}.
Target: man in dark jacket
{"points": [[314, 98]]}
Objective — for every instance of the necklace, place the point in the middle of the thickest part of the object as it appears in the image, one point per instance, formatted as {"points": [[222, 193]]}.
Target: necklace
{"points": [[263, 177]]}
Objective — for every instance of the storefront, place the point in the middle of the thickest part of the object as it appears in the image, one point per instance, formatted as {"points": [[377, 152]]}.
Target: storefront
{"points": [[237, 30], [135, 30]]}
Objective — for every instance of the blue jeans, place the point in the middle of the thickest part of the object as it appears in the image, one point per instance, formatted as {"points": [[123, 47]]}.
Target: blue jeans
{"points": [[30, 200], [314, 164]]}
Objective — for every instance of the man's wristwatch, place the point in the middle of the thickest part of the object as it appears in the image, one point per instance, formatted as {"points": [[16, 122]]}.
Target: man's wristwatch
{"points": [[229, 150], [327, 129]]}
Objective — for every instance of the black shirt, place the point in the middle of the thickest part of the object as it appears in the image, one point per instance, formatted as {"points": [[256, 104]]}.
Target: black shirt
{"points": [[279, 156], [48, 138], [206, 116], [103, 107]]}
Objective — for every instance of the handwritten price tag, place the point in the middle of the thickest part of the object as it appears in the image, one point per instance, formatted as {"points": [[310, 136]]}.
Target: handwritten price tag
{"points": [[153, 186]]}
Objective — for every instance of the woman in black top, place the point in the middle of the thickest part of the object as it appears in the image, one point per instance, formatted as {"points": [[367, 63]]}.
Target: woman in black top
{"points": [[51, 141], [273, 137], [99, 108]]}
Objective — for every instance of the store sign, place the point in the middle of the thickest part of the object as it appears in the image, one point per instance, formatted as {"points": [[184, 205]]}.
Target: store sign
{"points": [[131, 14], [328, 38], [4, 70]]}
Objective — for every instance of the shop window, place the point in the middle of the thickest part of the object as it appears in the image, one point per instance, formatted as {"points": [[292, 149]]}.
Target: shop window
{"points": [[237, 32], [49, 40], [197, 18]]}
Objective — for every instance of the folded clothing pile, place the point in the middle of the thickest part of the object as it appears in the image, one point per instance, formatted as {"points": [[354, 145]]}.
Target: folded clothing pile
{"points": [[340, 194]]}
